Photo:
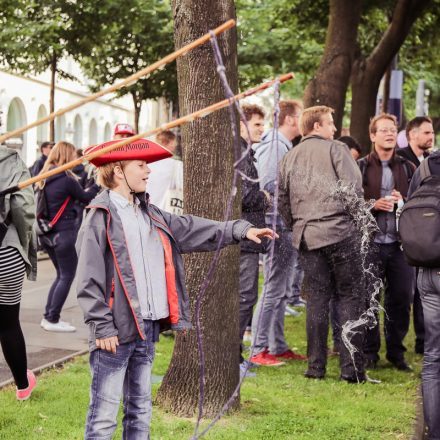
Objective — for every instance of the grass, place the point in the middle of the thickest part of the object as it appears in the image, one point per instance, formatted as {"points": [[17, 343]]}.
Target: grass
{"points": [[279, 404]]}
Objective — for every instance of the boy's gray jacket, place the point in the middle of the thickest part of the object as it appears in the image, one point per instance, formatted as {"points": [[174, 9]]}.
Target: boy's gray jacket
{"points": [[106, 286], [20, 206]]}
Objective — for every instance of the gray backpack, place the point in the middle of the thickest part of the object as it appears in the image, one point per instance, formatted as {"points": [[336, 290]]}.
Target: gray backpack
{"points": [[419, 222]]}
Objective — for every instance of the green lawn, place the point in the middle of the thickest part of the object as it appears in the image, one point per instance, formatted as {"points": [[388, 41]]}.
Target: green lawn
{"points": [[279, 404]]}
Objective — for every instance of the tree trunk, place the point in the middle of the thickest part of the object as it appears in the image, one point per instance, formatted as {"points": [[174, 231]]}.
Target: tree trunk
{"points": [[137, 103], [208, 158], [368, 71], [329, 85], [53, 72]]}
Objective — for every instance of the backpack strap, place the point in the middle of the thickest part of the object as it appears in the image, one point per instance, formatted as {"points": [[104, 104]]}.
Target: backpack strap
{"points": [[54, 221], [424, 170]]}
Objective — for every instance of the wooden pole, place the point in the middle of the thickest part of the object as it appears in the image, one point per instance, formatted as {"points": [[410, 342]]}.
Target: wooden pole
{"points": [[183, 120], [127, 81]]}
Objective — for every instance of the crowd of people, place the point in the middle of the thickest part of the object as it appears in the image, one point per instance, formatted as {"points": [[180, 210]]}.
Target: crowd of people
{"points": [[126, 254]]}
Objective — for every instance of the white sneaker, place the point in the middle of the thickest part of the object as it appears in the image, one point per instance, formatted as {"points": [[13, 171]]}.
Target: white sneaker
{"points": [[291, 312], [60, 326]]}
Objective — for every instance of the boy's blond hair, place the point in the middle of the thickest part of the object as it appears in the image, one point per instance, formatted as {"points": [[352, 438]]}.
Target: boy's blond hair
{"points": [[311, 115], [106, 173]]}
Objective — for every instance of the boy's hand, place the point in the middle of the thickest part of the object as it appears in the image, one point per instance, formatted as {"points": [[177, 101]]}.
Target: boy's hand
{"points": [[108, 344], [254, 234]]}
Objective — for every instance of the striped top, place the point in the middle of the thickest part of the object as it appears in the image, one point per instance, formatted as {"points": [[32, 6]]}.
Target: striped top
{"points": [[12, 270]]}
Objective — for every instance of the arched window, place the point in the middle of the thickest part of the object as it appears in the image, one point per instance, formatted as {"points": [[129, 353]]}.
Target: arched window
{"points": [[17, 118], [43, 129], [107, 132], [93, 133], [78, 132], [60, 128]]}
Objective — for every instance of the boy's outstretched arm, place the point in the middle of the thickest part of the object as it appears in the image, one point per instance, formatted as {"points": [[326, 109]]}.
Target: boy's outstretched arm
{"points": [[198, 234]]}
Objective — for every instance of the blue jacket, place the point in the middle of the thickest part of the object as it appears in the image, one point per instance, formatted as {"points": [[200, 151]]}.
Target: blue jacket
{"points": [[57, 189], [268, 153]]}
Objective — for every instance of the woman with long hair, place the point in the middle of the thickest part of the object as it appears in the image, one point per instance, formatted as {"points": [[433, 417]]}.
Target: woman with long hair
{"points": [[61, 190], [18, 255]]}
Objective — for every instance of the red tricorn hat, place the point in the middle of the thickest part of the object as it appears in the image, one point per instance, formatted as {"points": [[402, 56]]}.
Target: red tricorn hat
{"points": [[142, 149], [124, 129]]}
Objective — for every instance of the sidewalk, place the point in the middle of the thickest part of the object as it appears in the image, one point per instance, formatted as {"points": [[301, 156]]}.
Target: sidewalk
{"points": [[46, 348]]}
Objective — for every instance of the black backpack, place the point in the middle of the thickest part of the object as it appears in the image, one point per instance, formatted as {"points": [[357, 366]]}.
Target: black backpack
{"points": [[419, 222]]}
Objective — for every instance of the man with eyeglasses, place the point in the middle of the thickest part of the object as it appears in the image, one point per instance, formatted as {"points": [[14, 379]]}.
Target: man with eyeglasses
{"points": [[386, 178]]}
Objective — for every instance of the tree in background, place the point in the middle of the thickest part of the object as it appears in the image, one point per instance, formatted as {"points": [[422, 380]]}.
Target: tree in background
{"points": [[329, 84], [369, 67], [208, 157], [284, 35], [34, 36], [132, 35]]}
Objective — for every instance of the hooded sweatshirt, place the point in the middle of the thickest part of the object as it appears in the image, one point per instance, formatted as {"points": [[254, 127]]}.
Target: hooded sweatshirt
{"points": [[268, 153], [20, 206]]}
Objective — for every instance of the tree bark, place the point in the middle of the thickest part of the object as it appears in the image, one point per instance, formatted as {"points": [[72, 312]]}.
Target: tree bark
{"points": [[137, 103], [368, 71], [329, 85], [53, 72], [208, 158]]}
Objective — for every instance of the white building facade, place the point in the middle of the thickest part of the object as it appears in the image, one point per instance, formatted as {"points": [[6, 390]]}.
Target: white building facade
{"points": [[26, 99]]}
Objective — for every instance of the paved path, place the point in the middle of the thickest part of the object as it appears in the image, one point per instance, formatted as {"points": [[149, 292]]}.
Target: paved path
{"points": [[46, 347]]}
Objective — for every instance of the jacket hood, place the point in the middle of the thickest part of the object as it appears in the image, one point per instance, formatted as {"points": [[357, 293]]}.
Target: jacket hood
{"points": [[6, 153]]}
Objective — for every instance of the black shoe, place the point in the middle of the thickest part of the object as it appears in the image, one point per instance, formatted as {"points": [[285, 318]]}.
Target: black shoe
{"points": [[360, 378], [370, 364], [400, 364], [310, 375]]}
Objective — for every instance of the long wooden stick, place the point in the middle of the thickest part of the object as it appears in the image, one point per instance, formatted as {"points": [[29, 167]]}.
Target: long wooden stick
{"points": [[127, 81], [183, 120]]}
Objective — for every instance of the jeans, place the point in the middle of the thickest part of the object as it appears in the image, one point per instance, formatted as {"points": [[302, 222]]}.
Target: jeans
{"points": [[419, 328], [249, 269], [333, 271], [428, 283], [398, 278], [298, 276], [126, 373], [277, 287], [65, 260]]}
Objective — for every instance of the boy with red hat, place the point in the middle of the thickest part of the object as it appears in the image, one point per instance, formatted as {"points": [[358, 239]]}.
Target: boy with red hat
{"points": [[131, 283]]}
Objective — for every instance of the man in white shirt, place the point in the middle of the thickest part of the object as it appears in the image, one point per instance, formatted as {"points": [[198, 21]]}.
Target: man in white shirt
{"points": [[165, 184]]}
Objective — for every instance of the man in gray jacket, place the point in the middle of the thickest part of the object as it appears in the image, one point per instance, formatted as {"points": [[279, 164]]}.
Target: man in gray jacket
{"points": [[325, 236], [269, 345]]}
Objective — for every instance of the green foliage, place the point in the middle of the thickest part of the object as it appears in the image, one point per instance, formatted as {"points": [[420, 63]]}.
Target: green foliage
{"points": [[278, 37], [132, 36], [33, 32]]}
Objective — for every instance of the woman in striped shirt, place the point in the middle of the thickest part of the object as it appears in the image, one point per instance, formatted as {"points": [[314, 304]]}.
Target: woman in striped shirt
{"points": [[17, 257]]}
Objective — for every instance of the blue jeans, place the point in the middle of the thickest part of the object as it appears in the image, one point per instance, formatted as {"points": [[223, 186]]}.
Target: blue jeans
{"points": [[65, 260], [277, 288], [428, 283], [126, 373]]}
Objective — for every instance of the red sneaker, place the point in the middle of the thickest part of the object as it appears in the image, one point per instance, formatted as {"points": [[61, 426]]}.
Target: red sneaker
{"points": [[266, 359], [290, 355], [26, 393]]}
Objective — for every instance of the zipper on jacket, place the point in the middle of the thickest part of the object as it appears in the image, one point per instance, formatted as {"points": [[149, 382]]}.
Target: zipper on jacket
{"points": [[112, 294], [117, 267]]}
